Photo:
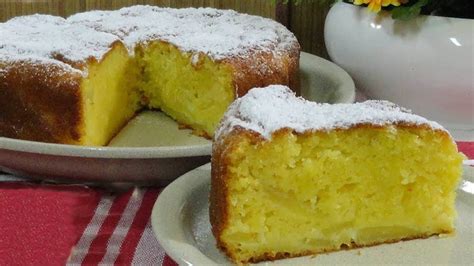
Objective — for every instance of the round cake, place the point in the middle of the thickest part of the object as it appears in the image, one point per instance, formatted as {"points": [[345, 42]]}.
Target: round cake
{"points": [[79, 80]]}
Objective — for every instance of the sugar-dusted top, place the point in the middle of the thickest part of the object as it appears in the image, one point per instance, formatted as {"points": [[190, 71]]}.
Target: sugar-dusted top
{"points": [[217, 33], [52, 40], [266, 110]]}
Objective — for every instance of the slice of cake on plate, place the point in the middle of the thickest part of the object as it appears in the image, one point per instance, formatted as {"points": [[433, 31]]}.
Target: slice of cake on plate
{"points": [[292, 177]]}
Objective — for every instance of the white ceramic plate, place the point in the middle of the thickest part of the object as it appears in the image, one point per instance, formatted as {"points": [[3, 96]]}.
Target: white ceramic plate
{"points": [[151, 148], [180, 220]]}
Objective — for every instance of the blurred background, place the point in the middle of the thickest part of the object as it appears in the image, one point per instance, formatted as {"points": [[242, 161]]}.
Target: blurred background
{"points": [[306, 20]]}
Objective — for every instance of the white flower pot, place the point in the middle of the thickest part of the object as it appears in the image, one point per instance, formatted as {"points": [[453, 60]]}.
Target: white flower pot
{"points": [[425, 64]]}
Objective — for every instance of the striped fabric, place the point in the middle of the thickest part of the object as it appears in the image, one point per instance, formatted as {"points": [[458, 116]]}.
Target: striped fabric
{"points": [[120, 233], [74, 225]]}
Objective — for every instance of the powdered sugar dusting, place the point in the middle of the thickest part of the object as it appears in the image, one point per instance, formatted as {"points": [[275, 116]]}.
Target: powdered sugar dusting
{"points": [[217, 33], [51, 39], [266, 110], [41, 63]]}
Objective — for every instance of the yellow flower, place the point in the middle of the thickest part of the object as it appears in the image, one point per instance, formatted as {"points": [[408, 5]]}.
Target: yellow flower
{"points": [[376, 5]]}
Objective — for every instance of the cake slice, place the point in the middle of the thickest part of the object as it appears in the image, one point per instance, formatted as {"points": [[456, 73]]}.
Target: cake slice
{"points": [[62, 83], [292, 177]]}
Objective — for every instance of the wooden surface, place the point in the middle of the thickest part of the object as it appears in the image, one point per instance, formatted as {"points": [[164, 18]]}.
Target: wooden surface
{"points": [[11, 8], [307, 23], [305, 20]]}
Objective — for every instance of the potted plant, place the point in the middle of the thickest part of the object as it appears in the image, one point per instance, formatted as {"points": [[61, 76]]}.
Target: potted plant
{"points": [[417, 53]]}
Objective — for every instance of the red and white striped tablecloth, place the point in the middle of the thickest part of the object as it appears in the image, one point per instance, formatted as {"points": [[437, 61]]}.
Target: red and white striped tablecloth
{"points": [[43, 224], [69, 224]]}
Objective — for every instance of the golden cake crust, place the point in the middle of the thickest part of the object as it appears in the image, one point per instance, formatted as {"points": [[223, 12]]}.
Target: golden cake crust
{"points": [[219, 196], [264, 69], [287, 255], [43, 101], [40, 102]]}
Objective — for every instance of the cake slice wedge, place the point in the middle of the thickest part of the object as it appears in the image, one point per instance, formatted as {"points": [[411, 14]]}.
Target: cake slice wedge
{"points": [[63, 84], [292, 177]]}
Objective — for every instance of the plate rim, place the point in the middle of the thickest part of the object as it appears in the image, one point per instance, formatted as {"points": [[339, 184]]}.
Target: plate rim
{"points": [[346, 85], [184, 184], [55, 149]]}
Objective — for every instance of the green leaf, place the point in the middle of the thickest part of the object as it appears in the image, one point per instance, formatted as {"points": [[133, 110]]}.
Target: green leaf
{"points": [[405, 13], [408, 12], [297, 2]]}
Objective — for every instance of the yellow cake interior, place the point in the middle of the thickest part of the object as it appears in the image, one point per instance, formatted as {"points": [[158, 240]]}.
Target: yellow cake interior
{"points": [[304, 194], [192, 89], [109, 95]]}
